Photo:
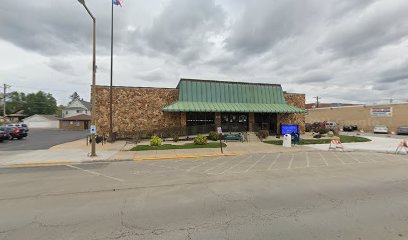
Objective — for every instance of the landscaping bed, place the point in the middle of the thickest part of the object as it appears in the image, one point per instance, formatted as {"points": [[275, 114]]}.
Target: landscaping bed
{"points": [[171, 146], [343, 139]]}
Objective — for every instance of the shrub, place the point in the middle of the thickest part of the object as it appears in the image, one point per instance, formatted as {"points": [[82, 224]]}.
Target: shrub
{"points": [[323, 131], [200, 140], [317, 136], [155, 141], [263, 134], [214, 136], [308, 127], [175, 136]]}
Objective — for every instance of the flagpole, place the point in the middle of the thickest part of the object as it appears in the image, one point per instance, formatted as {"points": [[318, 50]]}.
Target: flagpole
{"points": [[111, 83]]}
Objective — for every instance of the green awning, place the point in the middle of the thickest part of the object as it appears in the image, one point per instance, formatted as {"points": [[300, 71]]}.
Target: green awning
{"points": [[231, 107]]}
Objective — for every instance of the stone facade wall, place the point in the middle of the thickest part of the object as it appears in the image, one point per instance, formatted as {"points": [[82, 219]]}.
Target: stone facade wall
{"points": [[295, 100], [135, 109], [74, 125]]}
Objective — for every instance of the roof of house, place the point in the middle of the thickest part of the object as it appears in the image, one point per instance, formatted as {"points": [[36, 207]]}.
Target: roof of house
{"points": [[48, 117], [81, 117], [86, 104], [223, 96]]}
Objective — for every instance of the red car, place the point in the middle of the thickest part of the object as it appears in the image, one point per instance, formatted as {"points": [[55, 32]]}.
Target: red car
{"points": [[15, 132]]}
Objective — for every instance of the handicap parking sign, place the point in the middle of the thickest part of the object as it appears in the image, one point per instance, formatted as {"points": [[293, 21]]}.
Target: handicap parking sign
{"points": [[93, 129]]}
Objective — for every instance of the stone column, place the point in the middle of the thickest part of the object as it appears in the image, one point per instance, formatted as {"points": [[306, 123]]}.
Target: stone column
{"points": [[217, 119], [183, 119], [251, 121]]}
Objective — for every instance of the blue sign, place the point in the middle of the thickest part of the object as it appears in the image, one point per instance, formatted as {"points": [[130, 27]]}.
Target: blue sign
{"points": [[289, 129]]}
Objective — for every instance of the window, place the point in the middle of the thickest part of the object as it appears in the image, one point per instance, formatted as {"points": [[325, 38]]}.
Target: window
{"points": [[66, 112], [200, 118], [79, 111], [77, 124]]}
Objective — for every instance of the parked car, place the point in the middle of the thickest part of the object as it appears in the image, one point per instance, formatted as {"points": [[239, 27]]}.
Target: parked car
{"points": [[14, 132], [380, 129], [4, 136], [348, 128], [19, 125], [402, 130], [330, 125]]}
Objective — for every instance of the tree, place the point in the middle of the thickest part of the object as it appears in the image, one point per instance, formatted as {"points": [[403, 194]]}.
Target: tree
{"points": [[40, 103], [60, 108], [15, 102], [74, 96]]}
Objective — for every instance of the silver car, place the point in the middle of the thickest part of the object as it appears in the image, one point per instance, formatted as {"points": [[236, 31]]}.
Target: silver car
{"points": [[380, 129], [402, 130]]}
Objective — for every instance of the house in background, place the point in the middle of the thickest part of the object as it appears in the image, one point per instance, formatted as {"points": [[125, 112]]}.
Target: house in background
{"points": [[77, 107], [78, 122], [42, 121]]}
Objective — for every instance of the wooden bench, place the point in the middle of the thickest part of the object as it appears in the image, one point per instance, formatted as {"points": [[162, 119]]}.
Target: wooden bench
{"points": [[232, 137]]}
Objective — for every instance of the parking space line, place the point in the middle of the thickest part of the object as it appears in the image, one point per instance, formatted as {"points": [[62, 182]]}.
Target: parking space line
{"points": [[291, 161], [218, 165], [96, 173], [352, 157], [253, 165], [233, 166], [202, 164], [342, 162], [324, 159], [274, 162]]}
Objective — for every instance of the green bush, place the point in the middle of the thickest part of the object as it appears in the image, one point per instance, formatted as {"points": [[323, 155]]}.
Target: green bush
{"points": [[317, 136], [155, 141], [200, 140], [175, 136], [214, 136], [323, 131], [308, 127], [263, 134]]}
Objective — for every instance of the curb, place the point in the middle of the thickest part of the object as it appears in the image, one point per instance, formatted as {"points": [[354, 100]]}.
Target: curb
{"points": [[186, 157], [36, 164]]}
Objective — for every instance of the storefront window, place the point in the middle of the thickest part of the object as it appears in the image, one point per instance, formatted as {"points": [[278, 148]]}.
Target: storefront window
{"points": [[200, 118]]}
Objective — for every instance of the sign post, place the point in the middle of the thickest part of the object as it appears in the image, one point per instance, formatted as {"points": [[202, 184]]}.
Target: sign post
{"points": [[219, 131]]}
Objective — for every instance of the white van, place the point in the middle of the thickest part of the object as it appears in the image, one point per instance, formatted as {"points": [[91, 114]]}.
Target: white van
{"points": [[330, 125]]}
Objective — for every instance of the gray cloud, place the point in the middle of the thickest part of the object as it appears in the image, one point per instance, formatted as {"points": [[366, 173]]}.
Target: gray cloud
{"points": [[379, 25], [345, 49], [184, 27], [315, 76]]}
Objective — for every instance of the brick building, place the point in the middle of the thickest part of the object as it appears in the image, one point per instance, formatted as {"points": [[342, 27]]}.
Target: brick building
{"points": [[234, 106]]}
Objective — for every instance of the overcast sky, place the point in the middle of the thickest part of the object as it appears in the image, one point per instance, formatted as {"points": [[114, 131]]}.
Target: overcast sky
{"points": [[341, 50]]}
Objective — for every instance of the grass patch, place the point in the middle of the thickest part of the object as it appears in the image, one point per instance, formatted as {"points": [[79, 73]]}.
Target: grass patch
{"points": [[171, 146], [343, 139]]}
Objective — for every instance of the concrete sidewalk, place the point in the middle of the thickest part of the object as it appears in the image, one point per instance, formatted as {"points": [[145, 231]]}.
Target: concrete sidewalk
{"points": [[377, 144], [78, 151]]}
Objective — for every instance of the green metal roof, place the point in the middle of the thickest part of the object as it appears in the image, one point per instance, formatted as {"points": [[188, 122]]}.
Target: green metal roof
{"points": [[221, 96], [231, 107], [229, 92]]}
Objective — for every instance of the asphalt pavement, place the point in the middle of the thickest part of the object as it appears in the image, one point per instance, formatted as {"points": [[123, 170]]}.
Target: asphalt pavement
{"points": [[309, 195], [39, 139]]}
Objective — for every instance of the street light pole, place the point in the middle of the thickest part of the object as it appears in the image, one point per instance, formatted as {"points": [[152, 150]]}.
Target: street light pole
{"points": [[93, 93]]}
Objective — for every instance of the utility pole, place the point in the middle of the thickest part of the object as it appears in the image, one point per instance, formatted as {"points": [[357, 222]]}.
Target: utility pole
{"points": [[317, 101], [5, 86]]}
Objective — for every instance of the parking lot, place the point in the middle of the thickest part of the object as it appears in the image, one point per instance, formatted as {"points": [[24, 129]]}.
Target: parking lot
{"points": [[39, 139], [307, 195]]}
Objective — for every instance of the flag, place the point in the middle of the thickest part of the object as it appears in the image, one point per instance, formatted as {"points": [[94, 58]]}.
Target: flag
{"points": [[117, 2]]}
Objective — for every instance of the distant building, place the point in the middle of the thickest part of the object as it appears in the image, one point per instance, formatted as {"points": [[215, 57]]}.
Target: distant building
{"points": [[326, 105], [77, 107], [78, 122], [364, 116], [42, 121]]}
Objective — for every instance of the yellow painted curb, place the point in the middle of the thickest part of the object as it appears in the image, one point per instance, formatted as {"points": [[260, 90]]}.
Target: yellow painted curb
{"points": [[185, 157], [36, 164]]}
